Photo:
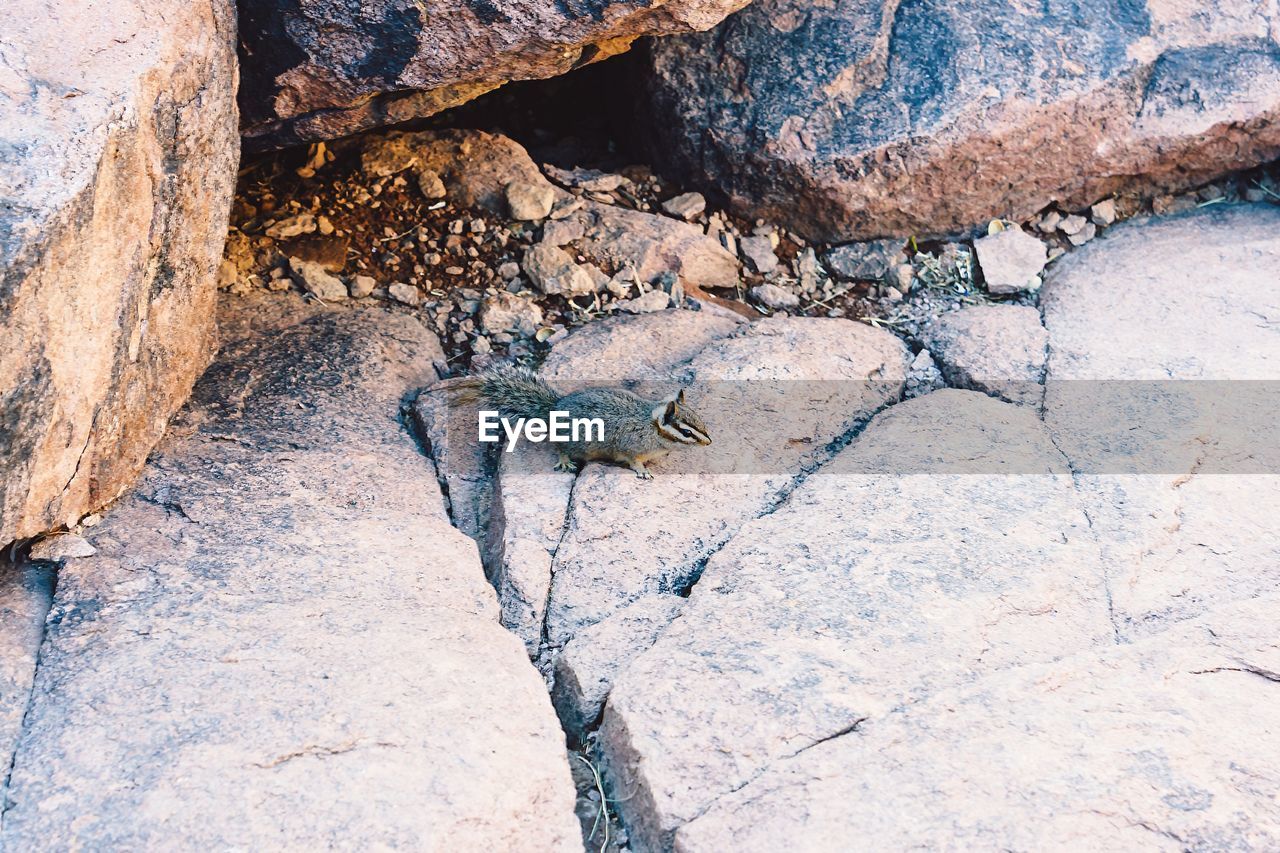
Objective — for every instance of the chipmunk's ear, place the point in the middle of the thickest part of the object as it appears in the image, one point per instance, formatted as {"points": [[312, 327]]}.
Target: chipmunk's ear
{"points": [[665, 410], [680, 397]]}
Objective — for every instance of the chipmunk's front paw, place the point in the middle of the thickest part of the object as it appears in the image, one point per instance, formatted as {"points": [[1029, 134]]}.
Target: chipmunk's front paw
{"points": [[566, 465], [643, 473]]}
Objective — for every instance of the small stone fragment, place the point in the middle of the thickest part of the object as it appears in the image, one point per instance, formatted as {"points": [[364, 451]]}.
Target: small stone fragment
{"points": [[999, 350], [61, 547], [405, 294], [562, 232], [864, 261], [774, 297], [553, 271], [1011, 260], [902, 276], [923, 376], [316, 280], [758, 252], [1084, 235], [508, 270], [293, 226], [361, 286], [1049, 222], [591, 180], [1104, 212], [647, 303], [686, 206], [529, 201], [430, 185], [506, 312], [1072, 224], [599, 281]]}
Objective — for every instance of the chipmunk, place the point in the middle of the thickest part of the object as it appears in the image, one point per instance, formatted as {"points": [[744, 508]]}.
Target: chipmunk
{"points": [[636, 430]]}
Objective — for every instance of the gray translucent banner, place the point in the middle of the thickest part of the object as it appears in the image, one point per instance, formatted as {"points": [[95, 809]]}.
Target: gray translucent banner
{"points": [[1087, 427]]}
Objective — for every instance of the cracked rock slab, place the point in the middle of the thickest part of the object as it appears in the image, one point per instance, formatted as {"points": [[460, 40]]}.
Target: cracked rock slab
{"points": [[26, 591], [1147, 327], [118, 155], [282, 641], [996, 349], [944, 543], [812, 381], [586, 668], [1167, 744], [879, 118]]}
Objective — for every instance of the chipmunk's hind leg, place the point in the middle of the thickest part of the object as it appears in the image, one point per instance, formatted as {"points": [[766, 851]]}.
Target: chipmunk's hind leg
{"points": [[566, 464]]}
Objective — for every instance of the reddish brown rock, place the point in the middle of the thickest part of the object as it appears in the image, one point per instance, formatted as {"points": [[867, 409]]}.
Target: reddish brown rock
{"points": [[118, 157], [872, 118], [319, 69]]}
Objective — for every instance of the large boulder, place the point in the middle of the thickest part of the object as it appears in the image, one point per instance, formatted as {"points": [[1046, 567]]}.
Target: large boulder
{"points": [[118, 154], [319, 69], [871, 118], [282, 642]]}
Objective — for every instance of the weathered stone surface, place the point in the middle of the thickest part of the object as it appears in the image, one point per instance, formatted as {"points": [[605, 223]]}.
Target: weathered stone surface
{"points": [[1188, 297], [996, 349], [464, 468], [586, 667], [772, 296], [553, 271], [528, 201], [618, 238], [944, 543], [1165, 744], [26, 591], [815, 379], [646, 303], [279, 612], [526, 521], [635, 348], [1187, 510], [507, 312], [864, 261], [319, 69], [870, 118], [118, 157], [759, 253]]}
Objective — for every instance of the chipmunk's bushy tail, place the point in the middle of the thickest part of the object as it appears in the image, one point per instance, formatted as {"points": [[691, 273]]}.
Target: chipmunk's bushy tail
{"points": [[516, 392]]}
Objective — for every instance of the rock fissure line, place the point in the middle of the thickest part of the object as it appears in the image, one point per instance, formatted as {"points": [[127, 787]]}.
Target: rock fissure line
{"points": [[564, 530], [830, 452], [1104, 561], [1245, 668]]}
